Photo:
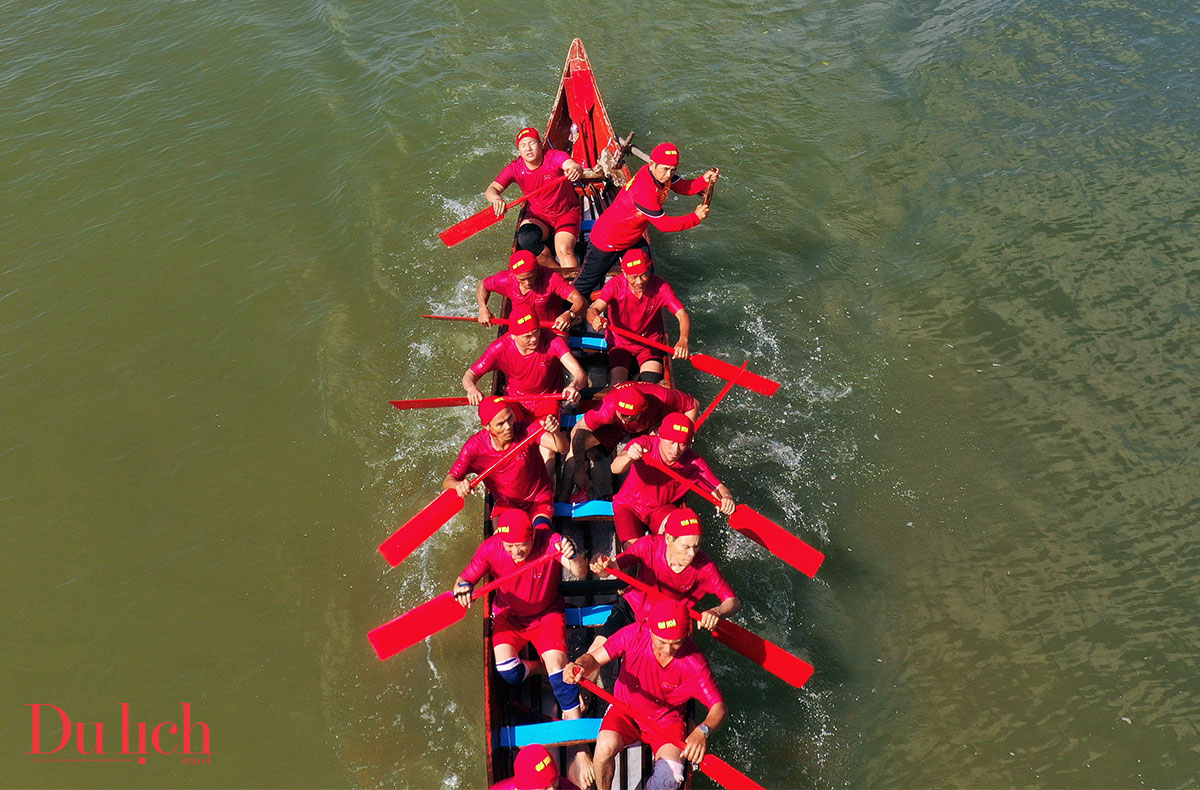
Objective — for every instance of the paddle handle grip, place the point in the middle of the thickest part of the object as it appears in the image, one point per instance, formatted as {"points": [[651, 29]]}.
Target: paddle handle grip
{"points": [[689, 483]]}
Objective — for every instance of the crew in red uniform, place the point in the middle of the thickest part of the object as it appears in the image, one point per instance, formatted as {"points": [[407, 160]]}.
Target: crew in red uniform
{"points": [[522, 482], [529, 285], [631, 409], [674, 564], [555, 211], [535, 769], [635, 303], [533, 361], [639, 205], [661, 669], [648, 494], [528, 608]]}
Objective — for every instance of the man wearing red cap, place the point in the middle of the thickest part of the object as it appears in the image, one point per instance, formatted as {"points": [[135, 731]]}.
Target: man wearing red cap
{"points": [[523, 481], [673, 563], [661, 669], [532, 361], [638, 205], [556, 210], [631, 409], [648, 494], [529, 608], [635, 303], [535, 769], [528, 285]]}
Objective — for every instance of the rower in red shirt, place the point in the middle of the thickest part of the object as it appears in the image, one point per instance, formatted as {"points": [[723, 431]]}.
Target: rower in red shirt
{"points": [[631, 409], [556, 210], [532, 360], [522, 482], [639, 205], [648, 495], [661, 669], [528, 608], [528, 285], [535, 769], [635, 303], [674, 563]]}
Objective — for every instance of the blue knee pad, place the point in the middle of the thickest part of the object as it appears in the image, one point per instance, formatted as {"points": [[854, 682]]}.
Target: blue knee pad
{"points": [[542, 520], [567, 694], [529, 237], [512, 670]]}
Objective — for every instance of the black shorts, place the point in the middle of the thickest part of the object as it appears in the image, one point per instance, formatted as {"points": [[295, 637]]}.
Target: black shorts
{"points": [[596, 263], [620, 616]]}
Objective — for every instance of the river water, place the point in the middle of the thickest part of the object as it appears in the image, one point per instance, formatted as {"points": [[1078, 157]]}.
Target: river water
{"points": [[961, 233]]}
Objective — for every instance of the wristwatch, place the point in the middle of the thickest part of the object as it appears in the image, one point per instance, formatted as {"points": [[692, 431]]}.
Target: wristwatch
{"points": [[704, 729]]}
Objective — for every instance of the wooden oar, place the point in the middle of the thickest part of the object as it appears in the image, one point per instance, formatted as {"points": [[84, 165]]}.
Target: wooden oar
{"points": [[720, 396], [766, 654], [417, 529], [717, 367], [436, 614], [487, 217], [761, 530], [717, 769], [709, 189], [437, 403]]}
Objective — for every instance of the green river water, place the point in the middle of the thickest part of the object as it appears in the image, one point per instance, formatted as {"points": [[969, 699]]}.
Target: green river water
{"points": [[962, 233]]}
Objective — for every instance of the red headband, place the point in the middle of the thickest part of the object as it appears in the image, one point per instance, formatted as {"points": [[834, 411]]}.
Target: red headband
{"points": [[683, 522], [522, 321], [676, 427], [489, 408], [511, 524], [665, 154], [534, 768], [635, 261], [628, 400], [522, 261], [528, 131], [669, 619]]}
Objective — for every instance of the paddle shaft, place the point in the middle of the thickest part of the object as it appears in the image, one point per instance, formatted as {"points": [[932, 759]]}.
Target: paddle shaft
{"points": [[720, 395], [766, 654], [485, 218], [501, 321], [717, 769], [716, 367], [509, 454], [434, 403]]}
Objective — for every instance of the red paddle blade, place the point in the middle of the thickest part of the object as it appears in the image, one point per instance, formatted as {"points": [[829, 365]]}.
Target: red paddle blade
{"points": [[417, 529], [776, 540], [726, 775], [767, 654], [428, 403], [413, 626], [469, 227], [725, 370]]}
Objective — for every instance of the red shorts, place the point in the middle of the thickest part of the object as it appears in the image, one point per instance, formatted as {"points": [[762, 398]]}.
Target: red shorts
{"points": [[631, 732], [625, 356], [631, 526], [546, 632], [530, 410], [567, 222]]}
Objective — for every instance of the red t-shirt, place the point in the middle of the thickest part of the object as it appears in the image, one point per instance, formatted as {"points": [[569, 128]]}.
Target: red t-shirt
{"points": [[547, 293], [538, 373], [647, 487], [529, 595], [521, 480], [639, 204], [655, 692], [695, 581], [660, 401], [640, 315], [553, 202]]}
